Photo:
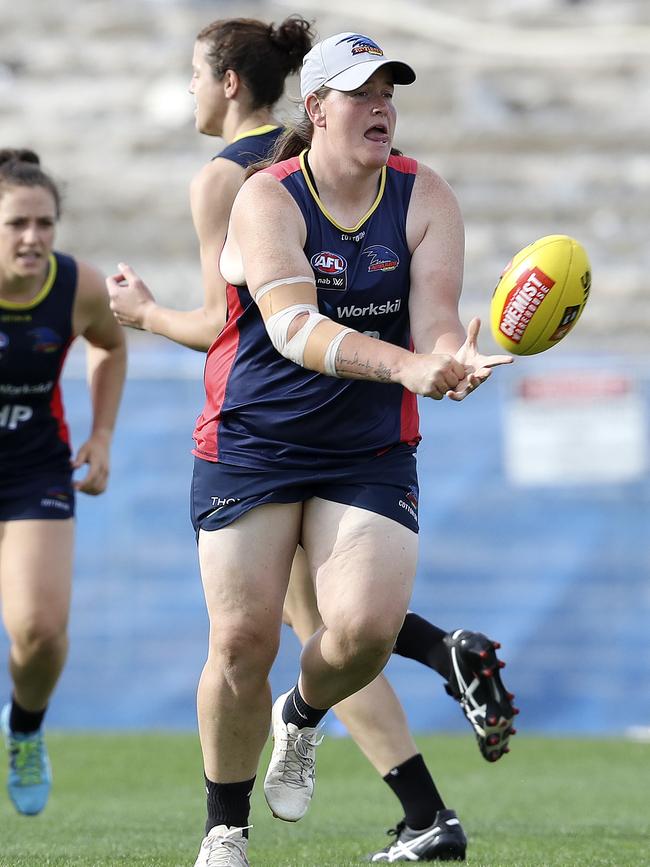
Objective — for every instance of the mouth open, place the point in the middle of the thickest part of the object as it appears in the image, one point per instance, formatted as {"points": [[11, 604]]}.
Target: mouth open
{"points": [[28, 256], [378, 133]]}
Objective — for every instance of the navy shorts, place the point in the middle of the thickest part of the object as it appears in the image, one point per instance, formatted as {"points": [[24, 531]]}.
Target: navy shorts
{"points": [[41, 496], [386, 485]]}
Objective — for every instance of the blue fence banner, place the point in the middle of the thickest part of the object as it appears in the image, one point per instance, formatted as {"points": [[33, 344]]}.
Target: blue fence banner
{"points": [[535, 529]]}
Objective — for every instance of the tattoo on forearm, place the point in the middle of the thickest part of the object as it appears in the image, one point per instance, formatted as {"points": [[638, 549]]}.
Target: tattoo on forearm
{"points": [[354, 362], [380, 372], [384, 374]]}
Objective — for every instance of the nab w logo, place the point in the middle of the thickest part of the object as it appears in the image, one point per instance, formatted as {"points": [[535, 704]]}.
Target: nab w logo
{"points": [[328, 263]]}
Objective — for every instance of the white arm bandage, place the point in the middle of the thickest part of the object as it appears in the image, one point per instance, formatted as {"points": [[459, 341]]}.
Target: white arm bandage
{"points": [[266, 287], [278, 329], [332, 349], [279, 323]]}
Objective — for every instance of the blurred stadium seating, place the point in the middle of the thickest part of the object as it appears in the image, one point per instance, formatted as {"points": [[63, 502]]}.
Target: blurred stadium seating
{"points": [[538, 114], [536, 111], [544, 551]]}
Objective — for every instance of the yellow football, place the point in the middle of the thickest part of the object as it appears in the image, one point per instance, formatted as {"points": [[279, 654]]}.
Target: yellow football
{"points": [[540, 295]]}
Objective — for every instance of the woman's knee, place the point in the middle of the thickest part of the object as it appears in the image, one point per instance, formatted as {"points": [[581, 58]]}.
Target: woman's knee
{"points": [[39, 638], [242, 654], [367, 640]]}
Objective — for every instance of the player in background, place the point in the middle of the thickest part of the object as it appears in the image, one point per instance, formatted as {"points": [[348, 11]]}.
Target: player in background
{"points": [[239, 71], [47, 299]]}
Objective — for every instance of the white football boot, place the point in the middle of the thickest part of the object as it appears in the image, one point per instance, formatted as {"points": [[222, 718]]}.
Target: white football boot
{"points": [[223, 847], [289, 782]]}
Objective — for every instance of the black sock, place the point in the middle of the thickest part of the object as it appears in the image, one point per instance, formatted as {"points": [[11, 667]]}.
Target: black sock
{"points": [[297, 711], [422, 641], [417, 793], [228, 804], [25, 722]]}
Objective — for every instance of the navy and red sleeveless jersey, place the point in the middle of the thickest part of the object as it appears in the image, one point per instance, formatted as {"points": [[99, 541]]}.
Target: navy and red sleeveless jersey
{"points": [[34, 340], [252, 146], [261, 408]]}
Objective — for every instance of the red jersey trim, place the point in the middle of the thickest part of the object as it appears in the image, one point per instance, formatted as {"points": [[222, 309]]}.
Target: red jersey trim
{"points": [[409, 419], [218, 366], [407, 165], [56, 402], [284, 169], [409, 416]]}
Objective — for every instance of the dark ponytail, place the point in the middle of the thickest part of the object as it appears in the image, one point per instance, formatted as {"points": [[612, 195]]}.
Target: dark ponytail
{"points": [[263, 55], [293, 39], [21, 155]]}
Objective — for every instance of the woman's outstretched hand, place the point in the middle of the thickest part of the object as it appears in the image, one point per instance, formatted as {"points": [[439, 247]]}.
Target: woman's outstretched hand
{"points": [[479, 366]]}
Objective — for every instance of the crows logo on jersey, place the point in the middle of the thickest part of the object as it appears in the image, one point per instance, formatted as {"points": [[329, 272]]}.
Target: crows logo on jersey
{"points": [[381, 258], [45, 339]]}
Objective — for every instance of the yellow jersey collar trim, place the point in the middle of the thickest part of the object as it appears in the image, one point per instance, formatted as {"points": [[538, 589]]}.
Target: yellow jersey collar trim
{"points": [[259, 130], [323, 209], [42, 294]]}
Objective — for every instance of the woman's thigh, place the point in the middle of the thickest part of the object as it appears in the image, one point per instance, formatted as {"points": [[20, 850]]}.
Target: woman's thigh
{"points": [[36, 572], [245, 566], [363, 563]]}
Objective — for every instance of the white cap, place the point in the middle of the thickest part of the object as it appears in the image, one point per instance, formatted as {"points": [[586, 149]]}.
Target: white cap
{"points": [[345, 61]]}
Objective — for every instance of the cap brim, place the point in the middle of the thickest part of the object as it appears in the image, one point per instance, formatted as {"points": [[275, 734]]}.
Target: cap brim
{"points": [[358, 74]]}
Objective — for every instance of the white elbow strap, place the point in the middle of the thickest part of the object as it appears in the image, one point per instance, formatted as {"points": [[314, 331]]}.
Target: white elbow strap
{"points": [[294, 349], [267, 287], [278, 329], [329, 361]]}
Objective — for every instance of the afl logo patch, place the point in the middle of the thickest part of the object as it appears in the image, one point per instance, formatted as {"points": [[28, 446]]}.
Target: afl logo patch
{"points": [[4, 341], [330, 271], [328, 263], [381, 258]]}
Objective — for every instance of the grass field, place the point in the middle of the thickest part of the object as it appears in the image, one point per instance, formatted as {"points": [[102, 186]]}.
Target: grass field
{"points": [[137, 800]]}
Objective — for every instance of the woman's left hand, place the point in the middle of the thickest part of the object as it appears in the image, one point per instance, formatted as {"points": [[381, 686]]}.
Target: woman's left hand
{"points": [[479, 367], [95, 453], [131, 299]]}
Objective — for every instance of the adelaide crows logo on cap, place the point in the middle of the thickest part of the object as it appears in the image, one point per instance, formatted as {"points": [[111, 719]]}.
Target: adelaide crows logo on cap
{"points": [[362, 45]]}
